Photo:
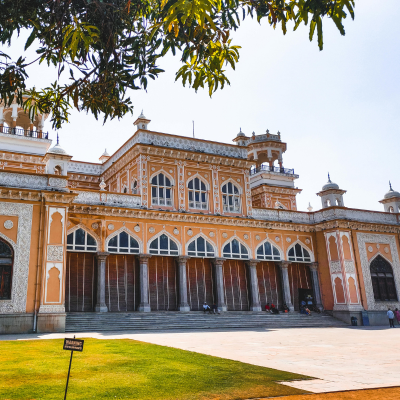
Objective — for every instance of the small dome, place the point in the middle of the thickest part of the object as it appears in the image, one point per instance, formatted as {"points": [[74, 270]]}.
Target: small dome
{"points": [[240, 133], [391, 193], [330, 185], [57, 149], [105, 154]]}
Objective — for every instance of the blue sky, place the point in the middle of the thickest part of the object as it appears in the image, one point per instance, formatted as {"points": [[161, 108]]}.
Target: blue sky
{"points": [[338, 110]]}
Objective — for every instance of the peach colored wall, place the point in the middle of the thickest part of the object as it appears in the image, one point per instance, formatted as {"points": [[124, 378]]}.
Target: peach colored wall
{"points": [[11, 233]]}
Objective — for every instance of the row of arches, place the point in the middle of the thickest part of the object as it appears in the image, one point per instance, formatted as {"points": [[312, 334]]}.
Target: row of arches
{"points": [[124, 241]]}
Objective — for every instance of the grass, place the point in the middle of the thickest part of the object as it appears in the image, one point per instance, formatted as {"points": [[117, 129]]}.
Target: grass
{"points": [[128, 369]]}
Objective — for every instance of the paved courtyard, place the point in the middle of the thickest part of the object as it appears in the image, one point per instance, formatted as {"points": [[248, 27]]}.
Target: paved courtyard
{"points": [[340, 358]]}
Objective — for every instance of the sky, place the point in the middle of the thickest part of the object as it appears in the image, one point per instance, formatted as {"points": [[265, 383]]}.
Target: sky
{"points": [[337, 109]]}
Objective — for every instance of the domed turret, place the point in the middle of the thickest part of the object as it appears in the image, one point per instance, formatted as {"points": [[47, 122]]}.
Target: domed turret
{"points": [[391, 200], [330, 184], [56, 160], [241, 139], [104, 157], [331, 194]]}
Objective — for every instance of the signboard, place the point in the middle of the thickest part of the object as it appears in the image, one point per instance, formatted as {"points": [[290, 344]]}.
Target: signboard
{"points": [[73, 344]]}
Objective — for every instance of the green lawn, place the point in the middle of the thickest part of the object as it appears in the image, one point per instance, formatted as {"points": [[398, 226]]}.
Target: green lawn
{"points": [[127, 369]]}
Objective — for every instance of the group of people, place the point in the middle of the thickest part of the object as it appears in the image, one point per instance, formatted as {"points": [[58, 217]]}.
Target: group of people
{"points": [[273, 310], [391, 315], [207, 308]]}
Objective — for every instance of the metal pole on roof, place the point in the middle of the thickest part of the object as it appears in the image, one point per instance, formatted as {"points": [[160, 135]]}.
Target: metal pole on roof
{"points": [[193, 128]]}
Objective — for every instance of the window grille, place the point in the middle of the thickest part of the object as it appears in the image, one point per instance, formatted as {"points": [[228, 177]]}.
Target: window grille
{"points": [[267, 252], [299, 254], [234, 249], [231, 198], [197, 194], [123, 243], [161, 191], [200, 248], [80, 240], [382, 280], [163, 245]]}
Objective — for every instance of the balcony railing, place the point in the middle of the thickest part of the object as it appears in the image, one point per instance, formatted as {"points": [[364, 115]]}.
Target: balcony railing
{"points": [[267, 168], [23, 132]]}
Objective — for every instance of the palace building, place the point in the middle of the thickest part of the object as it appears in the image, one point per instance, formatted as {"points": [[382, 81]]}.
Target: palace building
{"points": [[169, 222]]}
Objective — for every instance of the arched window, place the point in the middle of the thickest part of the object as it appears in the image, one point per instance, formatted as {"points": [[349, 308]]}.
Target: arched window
{"points": [[382, 279], [200, 248], [391, 209], [6, 264], [123, 243], [267, 252], [299, 254], [234, 249], [231, 198], [163, 245], [57, 170], [80, 240], [161, 191], [197, 194]]}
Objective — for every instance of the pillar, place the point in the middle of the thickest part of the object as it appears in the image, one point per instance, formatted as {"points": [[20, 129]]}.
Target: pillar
{"points": [[219, 283], [254, 294], [144, 305], [101, 282], [315, 283], [283, 265], [183, 294]]}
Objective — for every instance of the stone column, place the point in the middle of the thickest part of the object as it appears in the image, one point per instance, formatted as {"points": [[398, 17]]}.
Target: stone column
{"points": [[315, 282], [219, 283], [283, 265], [254, 294], [183, 294], [101, 282], [144, 305]]}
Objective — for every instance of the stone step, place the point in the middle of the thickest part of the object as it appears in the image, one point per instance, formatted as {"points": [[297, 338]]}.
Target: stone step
{"points": [[85, 322]]}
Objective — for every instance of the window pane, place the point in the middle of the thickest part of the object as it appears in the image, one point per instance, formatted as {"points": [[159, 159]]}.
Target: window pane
{"points": [[80, 236], [291, 252], [276, 251], [202, 186], [230, 187], [243, 250], [192, 247], [154, 180], [236, 190], [168, 193], [190, 186], [224, 189], [113, 241], [209, 248], [306, 253], [154, 244], [133, 242], [154, 192], [163, 242], [227, 248], [79, 247], [161, 179], [260, 250], [123, 239], [267, 247], [235, 246], [190, 196], [90, 240], [200, 244], [173, 245], [167, 182], [197, 183], [297, 248], [70, 238]]}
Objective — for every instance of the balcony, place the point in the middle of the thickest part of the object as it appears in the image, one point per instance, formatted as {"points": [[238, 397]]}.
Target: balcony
{"points": [[267, 168], [22, 132]]}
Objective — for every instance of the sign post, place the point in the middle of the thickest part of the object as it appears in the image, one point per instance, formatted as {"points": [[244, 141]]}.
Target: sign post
{"points": [[73, 345]]}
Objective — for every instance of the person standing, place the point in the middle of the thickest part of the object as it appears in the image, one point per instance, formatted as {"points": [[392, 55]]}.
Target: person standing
{"points": [[397, 315], [390, 315]]}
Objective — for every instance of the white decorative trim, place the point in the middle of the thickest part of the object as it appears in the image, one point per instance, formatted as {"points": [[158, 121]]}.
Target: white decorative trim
{"points": [[107, 199], [11, 179], [215, 183], [55, 253], [58, 182], [85, 168], [51, 309], [281, 254], [8, 224], [19, 290], [362, 239], [349, 267], [335, 267]]}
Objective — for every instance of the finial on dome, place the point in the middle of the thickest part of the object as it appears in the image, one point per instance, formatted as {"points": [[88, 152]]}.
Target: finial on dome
{"points": [[58, 141], [329, 178], [390, 185], [309, 208]]}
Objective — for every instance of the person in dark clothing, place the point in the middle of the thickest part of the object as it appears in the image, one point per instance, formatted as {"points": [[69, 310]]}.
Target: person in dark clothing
{"points": [[390, 315], [274, 310], [215, 309], [285, 308]]}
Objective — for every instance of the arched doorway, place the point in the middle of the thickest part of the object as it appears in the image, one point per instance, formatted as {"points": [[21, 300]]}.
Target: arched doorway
{"points": [[382, 280], [6, 269]]}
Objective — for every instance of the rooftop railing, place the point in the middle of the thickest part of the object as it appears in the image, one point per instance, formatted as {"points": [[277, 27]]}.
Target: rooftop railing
{"points": [[267, 168], [22, 132]]}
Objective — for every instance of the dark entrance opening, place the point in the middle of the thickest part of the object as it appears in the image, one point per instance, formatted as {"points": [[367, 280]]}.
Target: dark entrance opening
{"points": [[307, 296]]}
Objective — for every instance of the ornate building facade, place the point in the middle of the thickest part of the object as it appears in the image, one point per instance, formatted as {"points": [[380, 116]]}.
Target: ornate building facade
{"points": [[169, 222]]}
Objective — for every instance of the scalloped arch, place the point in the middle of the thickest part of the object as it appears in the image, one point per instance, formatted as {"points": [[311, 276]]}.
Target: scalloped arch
{"points": [[240, 241], [169, 236], [206, 239], [129, 232], [302, 245]]}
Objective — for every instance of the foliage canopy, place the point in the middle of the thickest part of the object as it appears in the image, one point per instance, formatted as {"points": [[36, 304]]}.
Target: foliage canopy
{"points": [[103, 48]]}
